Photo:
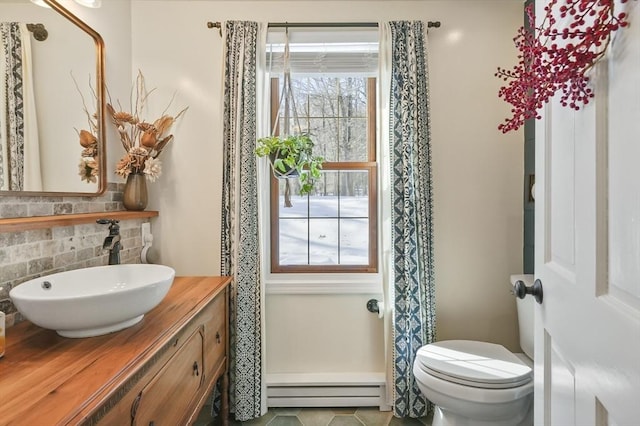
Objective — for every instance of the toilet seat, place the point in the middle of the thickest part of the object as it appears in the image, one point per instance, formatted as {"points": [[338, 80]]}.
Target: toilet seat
{"points": [[476, 364]]}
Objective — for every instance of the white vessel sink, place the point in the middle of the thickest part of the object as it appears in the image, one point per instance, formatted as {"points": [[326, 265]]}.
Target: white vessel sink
{"points": [[93, 301]]}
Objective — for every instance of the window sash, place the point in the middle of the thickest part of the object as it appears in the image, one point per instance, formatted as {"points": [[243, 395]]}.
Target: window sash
{"points": [[370, 166], [371, 267]]}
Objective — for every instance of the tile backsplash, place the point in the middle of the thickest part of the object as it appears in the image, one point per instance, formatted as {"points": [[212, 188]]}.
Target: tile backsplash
{"points": [[29, 254]]}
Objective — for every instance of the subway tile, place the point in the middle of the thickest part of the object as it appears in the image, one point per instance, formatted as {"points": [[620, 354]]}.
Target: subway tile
{"points": [[131, 224], [13, 271], [85, 254], [6, 306], [24, 252], [5, 256], [111, 207], [69, 244], [36, 199], [4, 290], [9, 320], [12, 238], [91, 228], [64, 260], [96, 261], [88, 240], [129, 232], [131, 242], [13, 210], [81, 208], [62, 208], [40, 209], [38, 235], [38, 266], [96, 207], [50, 248], [62, 231]]}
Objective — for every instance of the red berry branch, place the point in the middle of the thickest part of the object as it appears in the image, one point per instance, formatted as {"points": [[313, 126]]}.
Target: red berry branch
{"points": [[552, 60]]}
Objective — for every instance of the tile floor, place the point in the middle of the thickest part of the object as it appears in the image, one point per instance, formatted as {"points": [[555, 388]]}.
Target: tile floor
{"points": [[369, 416]]}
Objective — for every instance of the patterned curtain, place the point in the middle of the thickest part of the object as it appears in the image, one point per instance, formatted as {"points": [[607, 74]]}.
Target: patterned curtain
{"points": [[240, 239], [411, 206], [11, 108]]}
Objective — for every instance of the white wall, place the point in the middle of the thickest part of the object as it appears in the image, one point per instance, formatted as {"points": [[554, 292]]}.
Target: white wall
{"points": [[477, 170]]}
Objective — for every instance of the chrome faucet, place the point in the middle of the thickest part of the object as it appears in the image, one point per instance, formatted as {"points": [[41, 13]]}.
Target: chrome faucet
{"points": [[112, 241]]}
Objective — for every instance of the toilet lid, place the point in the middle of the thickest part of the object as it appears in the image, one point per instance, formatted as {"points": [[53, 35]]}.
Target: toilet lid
{"points": [[479, 364]]}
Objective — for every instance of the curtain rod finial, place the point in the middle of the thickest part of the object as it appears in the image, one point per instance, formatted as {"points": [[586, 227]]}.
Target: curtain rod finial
{"points": [[217, 25]]}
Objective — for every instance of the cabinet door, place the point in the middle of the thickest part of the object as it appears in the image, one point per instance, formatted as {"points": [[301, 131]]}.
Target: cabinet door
{"points": [[173, 390], [215, 334]]}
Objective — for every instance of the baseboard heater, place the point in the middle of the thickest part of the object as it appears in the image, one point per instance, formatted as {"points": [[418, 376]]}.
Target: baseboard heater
{"points": [[327, 390]]}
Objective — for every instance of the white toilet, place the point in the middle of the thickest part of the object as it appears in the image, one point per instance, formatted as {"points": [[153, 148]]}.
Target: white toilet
{"points": [[477, 383]]}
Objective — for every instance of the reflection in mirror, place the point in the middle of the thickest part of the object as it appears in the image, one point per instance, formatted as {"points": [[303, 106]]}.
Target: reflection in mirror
{"points": [[51, 114]]}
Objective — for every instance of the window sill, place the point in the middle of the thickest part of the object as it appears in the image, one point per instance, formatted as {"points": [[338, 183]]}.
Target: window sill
{"points": [[323, 283]]}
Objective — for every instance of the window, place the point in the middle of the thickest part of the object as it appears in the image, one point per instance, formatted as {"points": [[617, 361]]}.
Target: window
{"points": [[333, 229]]}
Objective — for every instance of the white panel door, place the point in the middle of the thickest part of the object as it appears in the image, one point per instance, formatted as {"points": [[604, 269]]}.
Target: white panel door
{"points": [[587, 354]]}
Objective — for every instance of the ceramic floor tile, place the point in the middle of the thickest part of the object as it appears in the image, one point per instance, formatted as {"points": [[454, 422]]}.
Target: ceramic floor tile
{"points": [[407, 421], [285, 421], [285, 411], [427, 420], [260, 421], [204, 417], [316, 416], [371, 416], [345, 420], [344, 410]]}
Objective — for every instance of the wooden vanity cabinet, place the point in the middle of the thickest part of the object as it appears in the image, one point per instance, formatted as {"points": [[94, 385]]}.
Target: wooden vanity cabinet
{"points": [[159, 372], [174, 391]]}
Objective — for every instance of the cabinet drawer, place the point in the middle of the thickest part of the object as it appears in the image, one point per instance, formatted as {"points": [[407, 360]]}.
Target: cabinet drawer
{"points": [[175, 385]]}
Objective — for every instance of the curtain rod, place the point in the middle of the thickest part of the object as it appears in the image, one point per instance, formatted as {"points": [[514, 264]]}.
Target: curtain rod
{"points": [[430, 24], [40, 33]]}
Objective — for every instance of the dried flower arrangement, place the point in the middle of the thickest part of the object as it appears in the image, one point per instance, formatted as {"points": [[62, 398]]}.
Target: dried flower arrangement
{"points": [[552, 60], [143, 141], [88, 167]]}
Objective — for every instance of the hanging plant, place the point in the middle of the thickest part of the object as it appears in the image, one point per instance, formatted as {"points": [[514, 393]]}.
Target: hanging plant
{"points": [[291, 156], [552, 60]]}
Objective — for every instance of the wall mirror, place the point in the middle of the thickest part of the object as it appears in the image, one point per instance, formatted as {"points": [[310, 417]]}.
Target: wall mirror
{"points": [[62, 93]]}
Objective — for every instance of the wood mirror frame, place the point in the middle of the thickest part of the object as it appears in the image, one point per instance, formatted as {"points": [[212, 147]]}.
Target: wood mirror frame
{"points": [[100, 110]]}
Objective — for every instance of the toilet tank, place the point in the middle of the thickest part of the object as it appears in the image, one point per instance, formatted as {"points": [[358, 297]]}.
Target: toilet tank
{"points": [[525, 309]]}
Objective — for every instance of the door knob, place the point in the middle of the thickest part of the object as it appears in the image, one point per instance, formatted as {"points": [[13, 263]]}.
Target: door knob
{"points": [[520, 290]]}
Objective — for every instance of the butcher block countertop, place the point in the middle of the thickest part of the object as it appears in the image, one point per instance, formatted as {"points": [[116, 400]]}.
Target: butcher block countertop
{"points": [[46, 379]]}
